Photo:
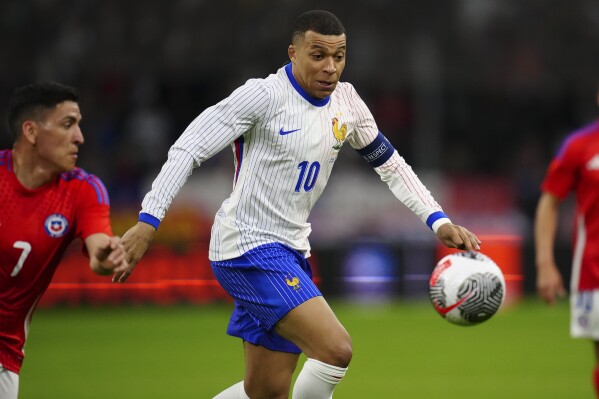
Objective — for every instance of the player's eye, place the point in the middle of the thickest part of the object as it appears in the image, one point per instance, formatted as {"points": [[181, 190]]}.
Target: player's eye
{"points": [[68, 123]]}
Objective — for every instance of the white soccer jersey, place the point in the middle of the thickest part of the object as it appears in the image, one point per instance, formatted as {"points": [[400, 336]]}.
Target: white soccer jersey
{"points": [[285, 144]]}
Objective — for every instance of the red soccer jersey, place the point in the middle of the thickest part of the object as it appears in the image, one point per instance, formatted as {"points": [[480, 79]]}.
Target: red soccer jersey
{"points": [[36, 227], [576, 168]]}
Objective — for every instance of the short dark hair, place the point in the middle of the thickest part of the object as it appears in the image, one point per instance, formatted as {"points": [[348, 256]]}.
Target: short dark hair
{"points": [[31, 101], [319, 21]]}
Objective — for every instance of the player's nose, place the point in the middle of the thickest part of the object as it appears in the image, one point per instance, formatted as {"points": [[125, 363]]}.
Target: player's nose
{"points": [[78, 136], [329, 66]]}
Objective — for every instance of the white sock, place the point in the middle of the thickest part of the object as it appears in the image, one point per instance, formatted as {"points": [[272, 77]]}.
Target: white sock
{"points": [[317, 380], [234, 392]]}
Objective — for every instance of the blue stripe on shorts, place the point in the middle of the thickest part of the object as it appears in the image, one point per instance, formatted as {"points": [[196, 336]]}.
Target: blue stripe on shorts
{"points": [[266, 283]]}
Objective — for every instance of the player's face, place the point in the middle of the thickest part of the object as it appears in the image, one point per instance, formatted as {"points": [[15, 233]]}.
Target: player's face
{"points": [[59, 136], [317, 62]]}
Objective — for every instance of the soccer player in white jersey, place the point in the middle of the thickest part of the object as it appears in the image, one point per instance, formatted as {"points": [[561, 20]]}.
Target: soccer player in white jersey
{"points": [[285, 131]]}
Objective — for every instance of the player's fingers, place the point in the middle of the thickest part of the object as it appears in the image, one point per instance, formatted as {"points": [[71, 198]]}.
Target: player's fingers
{"points": [[453, 239], [116, 257], [469, 241], [473, 240], [461, 239], [124, 272], [104, 253], [548, 294], [114, 243], [120, 250], [454, 236], [116, 277], [561, 293], [545, 296], [122, 277], [111, 243]]}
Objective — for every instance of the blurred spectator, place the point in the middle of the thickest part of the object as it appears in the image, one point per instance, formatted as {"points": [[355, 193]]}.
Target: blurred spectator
{"points": [[472, 86]]}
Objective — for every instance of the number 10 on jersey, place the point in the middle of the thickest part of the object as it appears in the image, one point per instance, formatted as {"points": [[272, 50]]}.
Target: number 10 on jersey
{"points": [[308, 175]]}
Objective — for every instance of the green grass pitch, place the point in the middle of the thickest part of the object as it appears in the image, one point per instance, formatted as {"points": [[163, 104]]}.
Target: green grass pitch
{"points": [[402, 350]]}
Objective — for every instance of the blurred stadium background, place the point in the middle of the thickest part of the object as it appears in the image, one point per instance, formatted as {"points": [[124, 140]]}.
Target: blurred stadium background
{"points": [[475, 94]]}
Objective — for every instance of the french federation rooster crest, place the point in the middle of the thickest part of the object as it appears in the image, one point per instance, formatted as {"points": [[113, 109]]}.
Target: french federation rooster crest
{"points": [[339, 133], [293, 282]]}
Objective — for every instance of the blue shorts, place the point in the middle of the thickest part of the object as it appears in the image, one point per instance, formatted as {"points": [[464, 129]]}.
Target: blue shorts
{"points": [[266, 283]]}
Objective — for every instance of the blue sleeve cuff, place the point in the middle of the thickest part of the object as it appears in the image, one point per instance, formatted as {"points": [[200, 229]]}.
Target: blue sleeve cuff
{"points": [[149, 219], [432, 220]]}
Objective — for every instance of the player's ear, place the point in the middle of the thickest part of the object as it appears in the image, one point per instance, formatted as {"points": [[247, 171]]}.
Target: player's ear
{"points": [[29, 131], [291, 52]]}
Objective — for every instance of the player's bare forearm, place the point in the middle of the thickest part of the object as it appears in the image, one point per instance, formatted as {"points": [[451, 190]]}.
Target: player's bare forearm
{"points": [[454, 236], [549, 281], [545, 228], [136, 242]]}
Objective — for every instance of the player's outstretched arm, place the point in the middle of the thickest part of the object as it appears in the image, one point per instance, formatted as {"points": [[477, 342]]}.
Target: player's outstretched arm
{"points": [[549, 282], [106, 254], [136, 242], [454, 236]]}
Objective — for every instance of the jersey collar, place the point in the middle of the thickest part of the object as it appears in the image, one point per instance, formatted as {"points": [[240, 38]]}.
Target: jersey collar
{"points": [[314, 101]]}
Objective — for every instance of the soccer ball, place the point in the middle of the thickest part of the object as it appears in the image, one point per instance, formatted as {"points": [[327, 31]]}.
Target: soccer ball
{"points": [[466, 288]]}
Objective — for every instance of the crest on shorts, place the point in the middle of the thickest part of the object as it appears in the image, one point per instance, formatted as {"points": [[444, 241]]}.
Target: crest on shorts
{"points": [[293, 282], [56, 225]]}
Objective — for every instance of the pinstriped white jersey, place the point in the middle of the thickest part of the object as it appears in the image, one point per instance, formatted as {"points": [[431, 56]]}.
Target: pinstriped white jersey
{"points": [[285, 144]]}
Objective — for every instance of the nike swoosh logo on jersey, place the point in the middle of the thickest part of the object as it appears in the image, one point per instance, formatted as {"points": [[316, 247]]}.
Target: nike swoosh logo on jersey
{"points": [[284, 132]]}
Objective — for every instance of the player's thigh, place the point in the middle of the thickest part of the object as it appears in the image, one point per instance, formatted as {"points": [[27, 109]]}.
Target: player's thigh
{"points": [[9, 384], [268, 373], [267, 281], [315, 329]]}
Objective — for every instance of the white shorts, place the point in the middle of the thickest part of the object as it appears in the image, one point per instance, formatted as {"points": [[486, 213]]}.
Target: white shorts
{"points": [[9, 384], [584, 314]]}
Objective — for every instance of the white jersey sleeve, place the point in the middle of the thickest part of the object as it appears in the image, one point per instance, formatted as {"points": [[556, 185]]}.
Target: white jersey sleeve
{"points": [[393, 169], [406, 186], [213, 130]]}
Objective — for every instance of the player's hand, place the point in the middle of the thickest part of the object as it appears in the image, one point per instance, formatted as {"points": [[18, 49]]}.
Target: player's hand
{"points": [[454, 236], [107, 254], [550, 285], [136, 242]]}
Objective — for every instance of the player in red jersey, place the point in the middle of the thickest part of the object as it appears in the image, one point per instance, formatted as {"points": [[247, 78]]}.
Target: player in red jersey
{"points": [[47, 203], [574, 169]]}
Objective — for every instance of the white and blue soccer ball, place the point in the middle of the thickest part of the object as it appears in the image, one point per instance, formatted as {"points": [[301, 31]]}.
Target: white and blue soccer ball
{"points": [[466, 288]]}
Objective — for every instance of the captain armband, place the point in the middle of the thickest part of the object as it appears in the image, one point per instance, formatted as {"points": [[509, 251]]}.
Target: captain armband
{"points": [[377, 152]]}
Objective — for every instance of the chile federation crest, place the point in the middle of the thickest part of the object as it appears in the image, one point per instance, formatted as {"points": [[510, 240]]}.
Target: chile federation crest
{"points": [[56, 225]]}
